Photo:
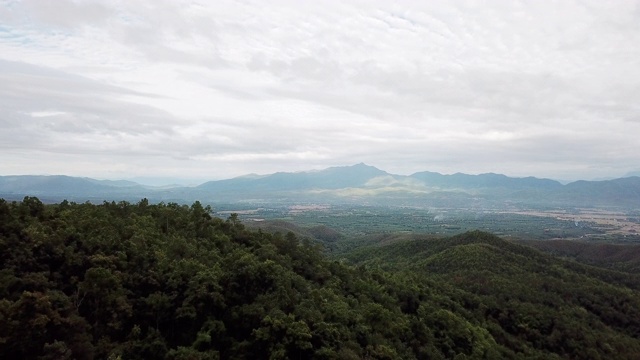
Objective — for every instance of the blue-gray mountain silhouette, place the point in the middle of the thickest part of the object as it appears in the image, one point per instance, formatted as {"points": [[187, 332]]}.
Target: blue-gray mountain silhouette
{"points": [[359, 183]]}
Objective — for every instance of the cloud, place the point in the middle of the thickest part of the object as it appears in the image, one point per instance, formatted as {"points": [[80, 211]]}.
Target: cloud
{"points": [[217, 90], [66, 13]]}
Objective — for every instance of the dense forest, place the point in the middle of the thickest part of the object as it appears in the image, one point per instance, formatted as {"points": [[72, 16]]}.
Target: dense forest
{"points": [[124, 280]]}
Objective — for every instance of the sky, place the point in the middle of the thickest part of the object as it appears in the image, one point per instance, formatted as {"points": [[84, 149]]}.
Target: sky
{"points": [[206, 90]]}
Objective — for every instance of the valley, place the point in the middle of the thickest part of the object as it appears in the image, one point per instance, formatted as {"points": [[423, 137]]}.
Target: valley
{"points": [[576, 224], [610, 222]]}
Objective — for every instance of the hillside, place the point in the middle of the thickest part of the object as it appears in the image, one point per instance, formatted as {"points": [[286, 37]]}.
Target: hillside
{"points": [[623, 257], [145, 281], [525, 298]]}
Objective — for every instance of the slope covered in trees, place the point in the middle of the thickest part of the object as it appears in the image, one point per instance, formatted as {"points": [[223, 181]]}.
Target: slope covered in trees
{"points": [[529, 301], [144, 281], [624, 257]]}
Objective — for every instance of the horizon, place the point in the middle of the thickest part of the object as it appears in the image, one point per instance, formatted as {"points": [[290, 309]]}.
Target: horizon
{"points": [[161, 181], [189, 91]]}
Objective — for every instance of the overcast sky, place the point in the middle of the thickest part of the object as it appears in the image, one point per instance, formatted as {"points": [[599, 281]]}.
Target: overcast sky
{"points": [[217, 89]]}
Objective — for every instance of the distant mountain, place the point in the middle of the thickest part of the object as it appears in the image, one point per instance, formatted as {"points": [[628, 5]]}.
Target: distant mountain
{"points": [[60, 186], [116, 183], [490, 180], [165, 182], [357, 184], [622, 192], [51, 185], [331, 178]]}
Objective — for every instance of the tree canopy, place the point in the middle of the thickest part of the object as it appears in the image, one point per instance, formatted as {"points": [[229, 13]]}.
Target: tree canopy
{"points": [[152, 281]]}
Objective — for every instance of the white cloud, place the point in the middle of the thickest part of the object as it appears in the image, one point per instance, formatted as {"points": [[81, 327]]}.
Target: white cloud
{"points": [[214, 90]]}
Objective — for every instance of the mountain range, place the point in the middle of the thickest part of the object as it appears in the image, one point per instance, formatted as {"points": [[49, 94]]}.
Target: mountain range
{"points": [[358, 183]]}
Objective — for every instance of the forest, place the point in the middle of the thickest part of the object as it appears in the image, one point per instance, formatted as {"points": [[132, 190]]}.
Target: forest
{"points": [[121, 280]]}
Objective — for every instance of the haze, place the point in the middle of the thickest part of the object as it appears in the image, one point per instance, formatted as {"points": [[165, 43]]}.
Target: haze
{"points": [[210, 90]]}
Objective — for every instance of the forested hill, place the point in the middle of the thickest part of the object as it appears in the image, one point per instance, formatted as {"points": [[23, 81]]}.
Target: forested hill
{"points": [[153, 281]]}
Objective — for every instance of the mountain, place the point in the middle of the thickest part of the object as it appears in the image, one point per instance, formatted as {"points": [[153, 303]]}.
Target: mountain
{"points": [[116, 183], [357, 184], [57, 187], [331, 178], [490, 180], [52, 185], [617, 192]]}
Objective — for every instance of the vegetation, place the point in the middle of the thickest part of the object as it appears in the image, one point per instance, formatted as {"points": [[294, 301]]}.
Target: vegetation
{"points": [[151, 281], [354, 227], [624, 257]]}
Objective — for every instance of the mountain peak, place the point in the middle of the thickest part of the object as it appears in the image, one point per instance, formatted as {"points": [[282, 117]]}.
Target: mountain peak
{"points": [[360, 165], [360, 168]]}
